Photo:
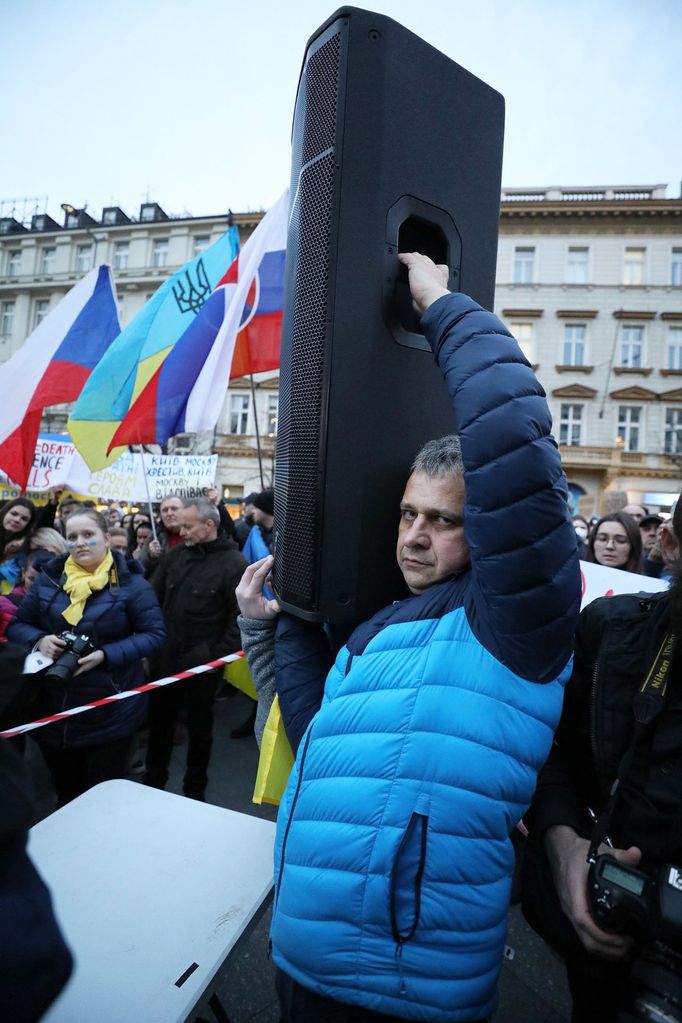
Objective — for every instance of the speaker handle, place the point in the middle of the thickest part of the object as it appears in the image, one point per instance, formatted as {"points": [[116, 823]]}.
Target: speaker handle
{"points": [[413, 225]]}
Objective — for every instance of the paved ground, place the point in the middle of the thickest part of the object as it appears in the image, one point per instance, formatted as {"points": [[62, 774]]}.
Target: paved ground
{"points": [[532, 987]]}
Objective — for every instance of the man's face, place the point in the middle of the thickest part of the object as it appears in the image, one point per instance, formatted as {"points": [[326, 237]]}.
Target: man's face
{"points": [[648, 533], [212, 494], [431, 545], [119, 543], [193, 530], [635, 511], [249, 509], [113, 517], [171, 510], [66, 510]]}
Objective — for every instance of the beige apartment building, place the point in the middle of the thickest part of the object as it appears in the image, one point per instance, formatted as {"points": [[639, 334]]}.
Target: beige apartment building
{"points": [[590, 282], [588, 279]]}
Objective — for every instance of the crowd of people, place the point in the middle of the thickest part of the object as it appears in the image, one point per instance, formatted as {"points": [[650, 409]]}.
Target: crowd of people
{"points": [[476, 699], [631, 539]]}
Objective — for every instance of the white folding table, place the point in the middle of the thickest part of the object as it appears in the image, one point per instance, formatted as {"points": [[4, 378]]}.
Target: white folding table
{"points": [[152, 891]]}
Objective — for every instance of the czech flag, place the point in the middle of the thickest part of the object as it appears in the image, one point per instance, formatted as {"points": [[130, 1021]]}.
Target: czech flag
{"points": [[60, 354], [237, 331]]}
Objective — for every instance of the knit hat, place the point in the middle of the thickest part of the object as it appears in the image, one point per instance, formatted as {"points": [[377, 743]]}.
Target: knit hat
{"points": [[265, 501]]}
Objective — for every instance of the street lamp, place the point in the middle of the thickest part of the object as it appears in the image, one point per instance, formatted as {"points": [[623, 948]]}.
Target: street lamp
{"points": [[76, 211]]}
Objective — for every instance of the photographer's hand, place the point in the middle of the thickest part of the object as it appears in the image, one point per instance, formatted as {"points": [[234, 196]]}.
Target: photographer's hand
{"points": [[567, 854], [52, 646], [89, 662], [252, 601]]}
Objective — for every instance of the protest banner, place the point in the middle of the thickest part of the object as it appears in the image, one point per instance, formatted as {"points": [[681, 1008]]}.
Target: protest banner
{"points": [[57, 464], [600, 581]]}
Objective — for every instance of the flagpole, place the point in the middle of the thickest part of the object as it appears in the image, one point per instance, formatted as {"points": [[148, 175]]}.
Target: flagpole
{"points": [[255, 422], [140, 448]]}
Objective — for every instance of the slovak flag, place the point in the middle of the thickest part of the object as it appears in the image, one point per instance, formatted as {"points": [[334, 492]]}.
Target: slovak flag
{"points": [[237, 331], [60, 355]]}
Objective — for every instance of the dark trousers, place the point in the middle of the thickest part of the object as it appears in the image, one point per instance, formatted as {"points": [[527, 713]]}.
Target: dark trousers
{"points": [[300, 1005], [196, 696], [77, 769]]}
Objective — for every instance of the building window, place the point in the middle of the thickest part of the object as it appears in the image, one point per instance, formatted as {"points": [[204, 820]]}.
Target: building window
{"points": [[40, 311], [201, 243], [576, 266], [676, 268], [47, 260], [633, 267], [673, 431], [574, 344], [13, 262], [239, 413], [524, 265], [675, 348], [631, 343], [83, 258], [271, 426], [571, 425], [6, 319], [629, 422], [160, 252], [523, 332], [121, 253]]}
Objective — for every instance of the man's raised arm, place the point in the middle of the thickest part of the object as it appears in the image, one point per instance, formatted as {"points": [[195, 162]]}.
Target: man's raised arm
{"points": [[526, 591]]}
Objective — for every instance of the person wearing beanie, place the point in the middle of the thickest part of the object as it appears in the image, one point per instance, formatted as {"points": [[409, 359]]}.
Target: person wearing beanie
{"points": [[245, 521], [258, 545], [259, 542]]}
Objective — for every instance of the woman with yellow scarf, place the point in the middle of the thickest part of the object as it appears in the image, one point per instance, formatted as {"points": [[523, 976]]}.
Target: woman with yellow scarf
{"points": [[96, 593]]}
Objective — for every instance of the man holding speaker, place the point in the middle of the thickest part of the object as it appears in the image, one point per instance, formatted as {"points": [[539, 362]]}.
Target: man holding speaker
{"points": [[393, 860]]}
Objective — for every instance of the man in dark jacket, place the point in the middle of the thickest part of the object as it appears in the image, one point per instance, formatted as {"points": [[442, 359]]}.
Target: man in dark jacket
{"points": [[619, 640], [195, 584]]}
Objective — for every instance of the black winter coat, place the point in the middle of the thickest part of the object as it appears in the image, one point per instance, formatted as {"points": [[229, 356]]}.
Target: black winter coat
{"points": [[34, 961], [195, 587], [124, 620], [616, 643]]}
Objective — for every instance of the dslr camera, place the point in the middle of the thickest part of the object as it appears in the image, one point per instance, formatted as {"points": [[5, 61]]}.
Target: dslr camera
{"points": [[650, 908], [66, 664]]}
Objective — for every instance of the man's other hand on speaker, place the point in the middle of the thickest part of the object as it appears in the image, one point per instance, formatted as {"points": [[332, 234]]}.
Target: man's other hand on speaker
{"points": [[428, 280], [252, 601]]}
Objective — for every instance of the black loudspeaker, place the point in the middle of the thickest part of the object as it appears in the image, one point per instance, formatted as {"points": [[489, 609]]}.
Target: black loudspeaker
{"points": [[395, 148]]}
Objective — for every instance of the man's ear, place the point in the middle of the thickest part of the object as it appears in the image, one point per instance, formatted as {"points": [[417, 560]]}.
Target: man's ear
{"points": [[670, 548]]}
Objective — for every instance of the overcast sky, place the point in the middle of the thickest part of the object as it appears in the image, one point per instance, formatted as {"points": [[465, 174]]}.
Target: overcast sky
{"points": [[189, 102]]}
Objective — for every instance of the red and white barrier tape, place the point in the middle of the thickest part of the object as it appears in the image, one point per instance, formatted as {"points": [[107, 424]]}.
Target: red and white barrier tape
{"points": [[10, 733]]}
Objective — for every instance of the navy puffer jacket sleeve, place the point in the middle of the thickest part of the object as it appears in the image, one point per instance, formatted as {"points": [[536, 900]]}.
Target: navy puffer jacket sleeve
{"points": [[526, 591]]}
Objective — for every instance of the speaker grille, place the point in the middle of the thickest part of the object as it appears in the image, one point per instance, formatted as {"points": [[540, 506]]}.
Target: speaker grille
{"points": [[302, 401], [322, 85]]}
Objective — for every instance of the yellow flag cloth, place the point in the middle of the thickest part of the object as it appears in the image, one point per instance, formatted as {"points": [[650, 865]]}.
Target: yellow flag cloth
{"points": [[80, 584], [237, 674], [276, 759]]}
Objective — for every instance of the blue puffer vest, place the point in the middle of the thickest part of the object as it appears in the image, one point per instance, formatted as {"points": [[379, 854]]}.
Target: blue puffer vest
{"points": [[393, 859]]}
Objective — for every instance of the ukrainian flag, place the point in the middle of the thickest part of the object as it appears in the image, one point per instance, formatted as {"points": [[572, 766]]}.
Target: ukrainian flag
{"points": [[140, 349]]}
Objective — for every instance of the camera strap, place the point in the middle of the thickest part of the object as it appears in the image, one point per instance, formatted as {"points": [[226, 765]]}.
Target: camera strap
{"points": [[648, 702]]}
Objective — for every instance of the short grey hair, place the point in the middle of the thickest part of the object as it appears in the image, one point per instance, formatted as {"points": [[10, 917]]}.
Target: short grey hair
{"points": [[205, 510], [442, 457]]}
